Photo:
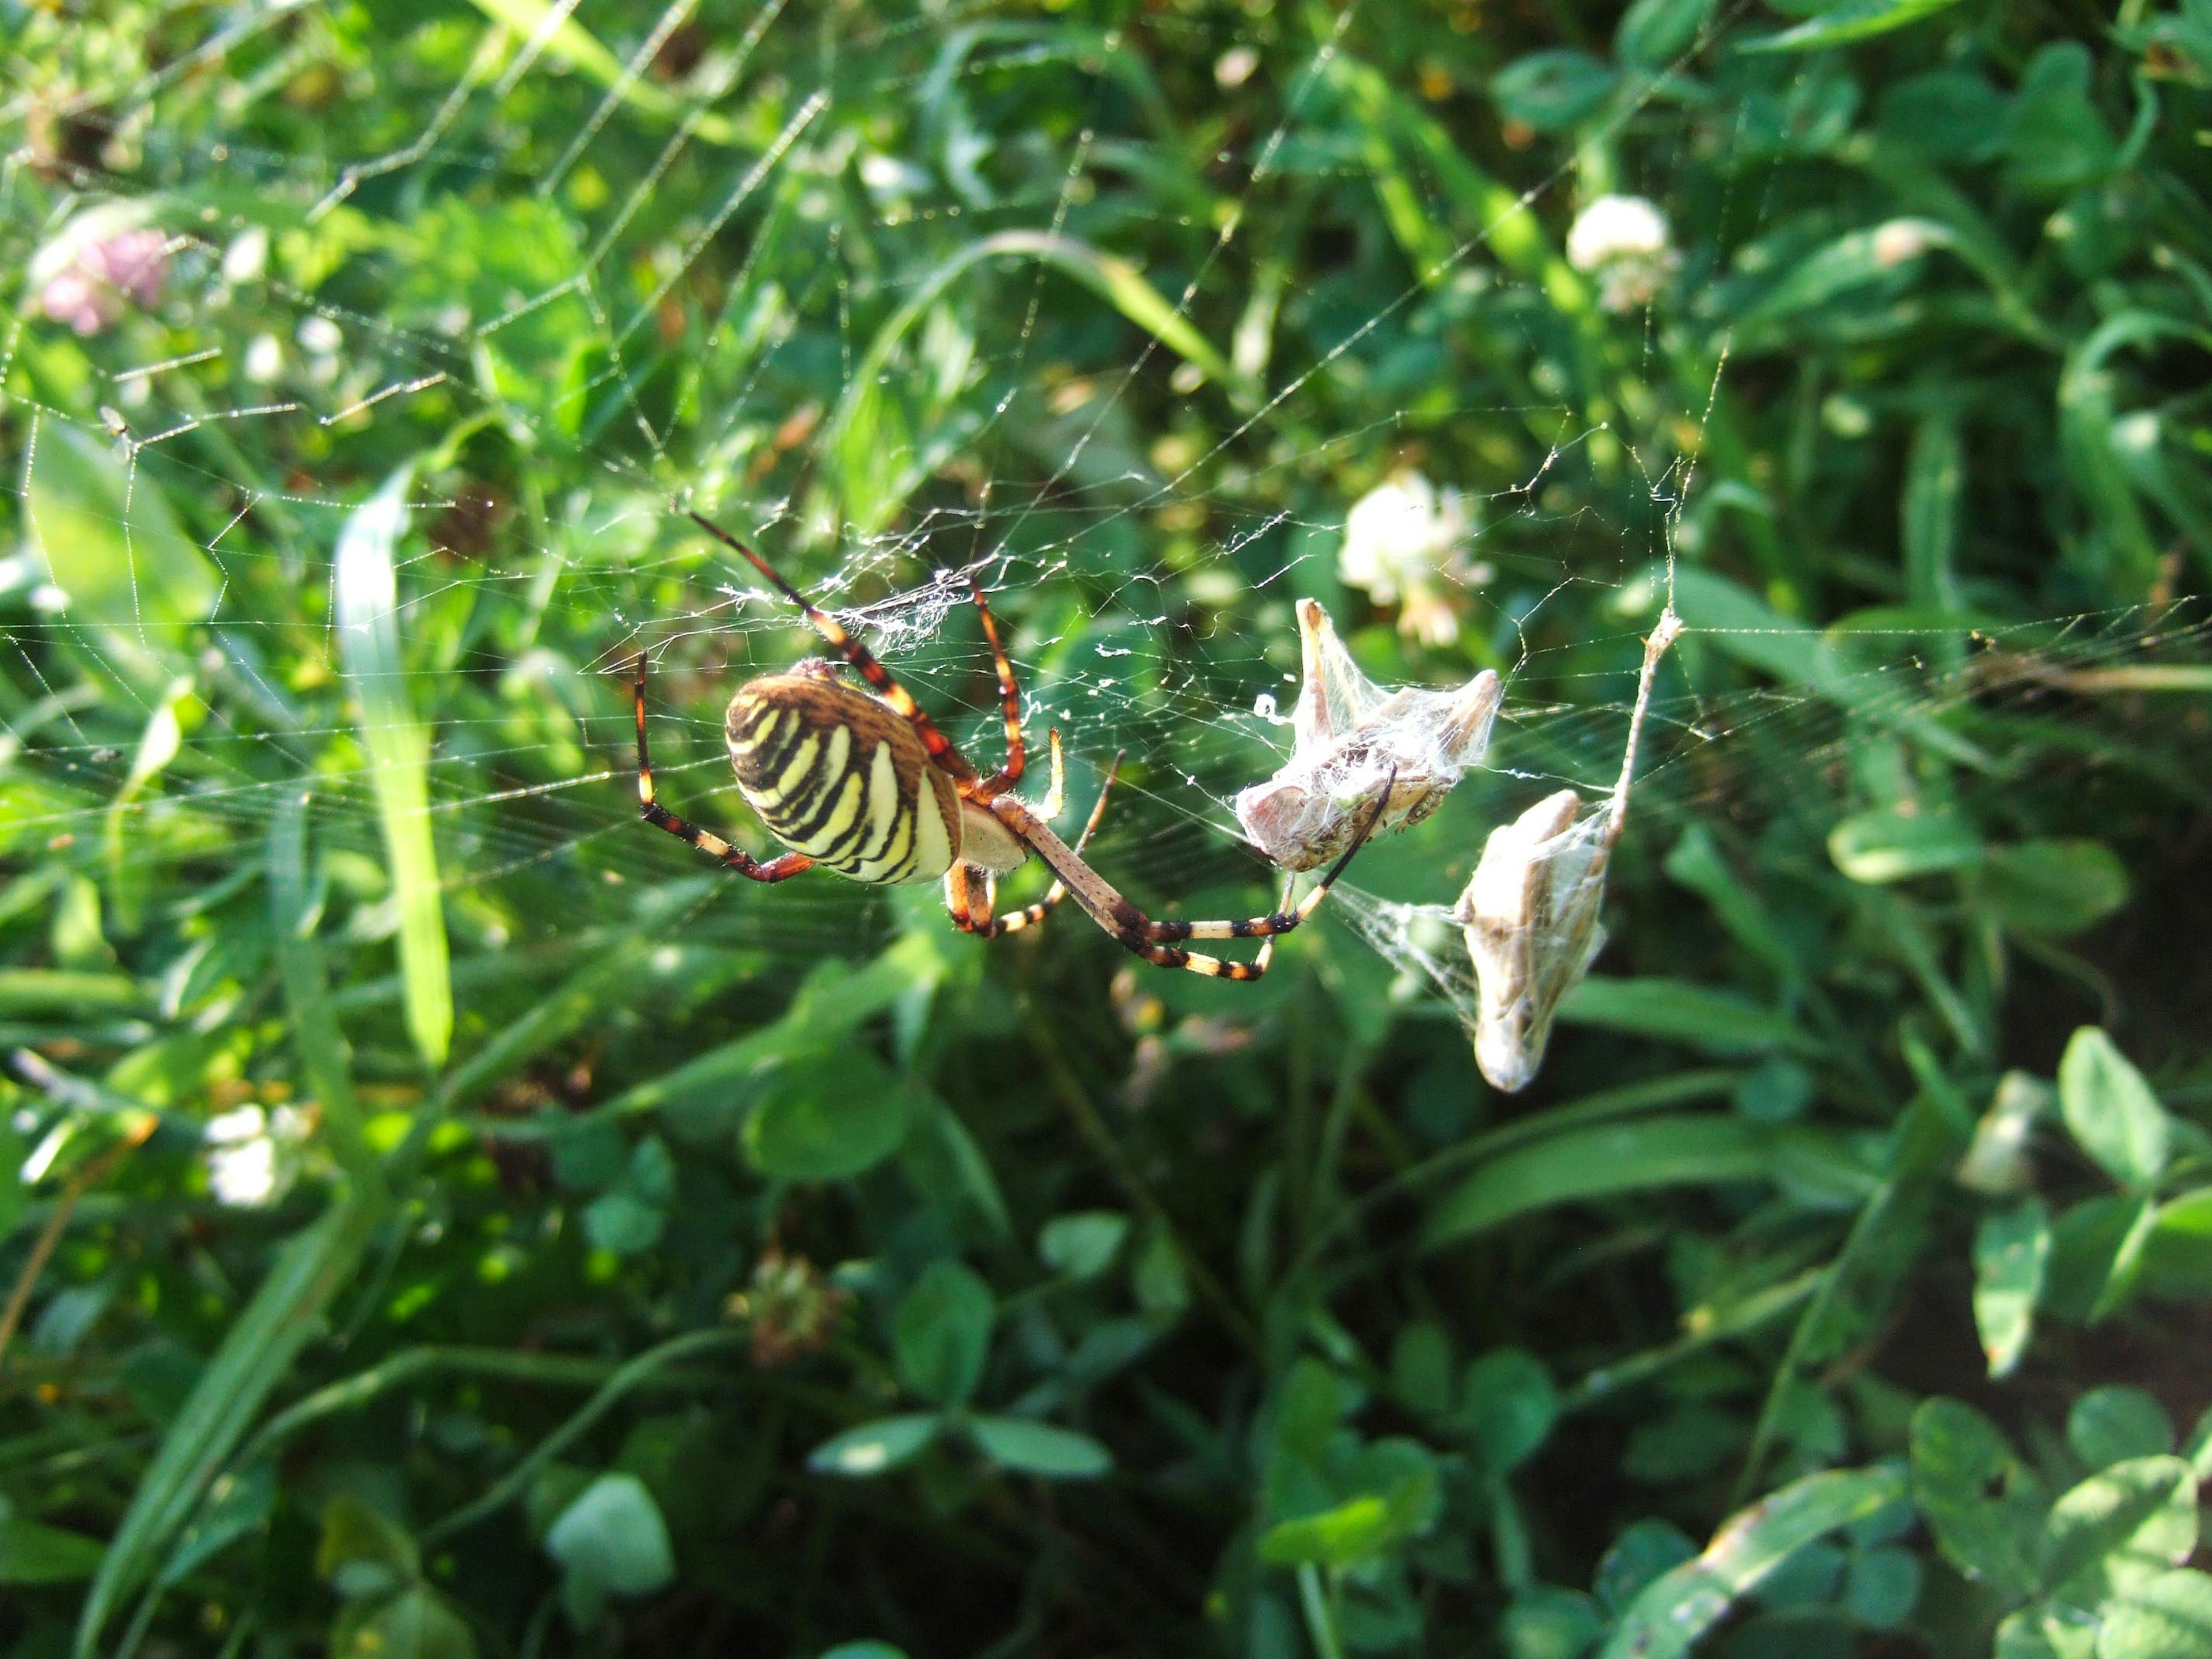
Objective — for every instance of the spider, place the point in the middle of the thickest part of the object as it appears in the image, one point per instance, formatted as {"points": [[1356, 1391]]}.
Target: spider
{"points": [[868, 787]]}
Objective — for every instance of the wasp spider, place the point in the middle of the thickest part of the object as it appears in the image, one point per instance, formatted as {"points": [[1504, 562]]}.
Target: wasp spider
{"points": [[868, 786]]}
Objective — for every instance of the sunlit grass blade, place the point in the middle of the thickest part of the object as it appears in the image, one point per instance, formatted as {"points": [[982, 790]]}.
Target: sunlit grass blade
{"points": [[1676, 1608], [533, 21], [1854, 20], [398, 754]]}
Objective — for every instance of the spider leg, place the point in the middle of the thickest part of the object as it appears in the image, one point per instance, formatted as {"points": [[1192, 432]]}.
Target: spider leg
{"points": [[1010, 700], [1159, 942], [781, 868], [942, 754], [959, 900], [1030, 914]]}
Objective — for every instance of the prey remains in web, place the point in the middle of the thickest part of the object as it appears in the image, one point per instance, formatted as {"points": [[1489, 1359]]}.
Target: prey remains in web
{"points": [[1356, 743], [862, 783], [1530, 911]]}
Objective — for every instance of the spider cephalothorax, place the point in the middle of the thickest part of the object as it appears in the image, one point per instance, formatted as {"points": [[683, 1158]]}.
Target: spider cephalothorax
{"points": [[863, 783]]}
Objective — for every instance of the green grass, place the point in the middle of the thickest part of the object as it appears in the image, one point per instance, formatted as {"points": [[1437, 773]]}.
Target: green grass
{"points": [[649, 1262]]}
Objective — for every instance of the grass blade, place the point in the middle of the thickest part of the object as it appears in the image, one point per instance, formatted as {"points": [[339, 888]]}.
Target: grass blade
{"points": [[256, 1352], [1683, 1149], [399, 755], [1676, 1608]]}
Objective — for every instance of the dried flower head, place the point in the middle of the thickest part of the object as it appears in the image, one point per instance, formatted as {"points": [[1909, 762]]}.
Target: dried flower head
{"points": [[792, 1309], [1401, 545], [1350, 733], [102, 259], [1530, 911], [1622, 240]]}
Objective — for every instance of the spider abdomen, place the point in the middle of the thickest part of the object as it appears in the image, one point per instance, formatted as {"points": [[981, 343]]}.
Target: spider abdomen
{"points": [[835, 774]]}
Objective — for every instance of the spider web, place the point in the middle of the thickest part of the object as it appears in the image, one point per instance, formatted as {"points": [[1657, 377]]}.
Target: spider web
{"points": [[1114, 417]]}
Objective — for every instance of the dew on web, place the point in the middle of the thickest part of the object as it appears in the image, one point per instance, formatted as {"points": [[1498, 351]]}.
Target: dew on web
{"points": [[1161, 493]]}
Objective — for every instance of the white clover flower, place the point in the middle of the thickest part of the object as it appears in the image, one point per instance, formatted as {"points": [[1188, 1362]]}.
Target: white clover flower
{"points": [[265, 359], [1622, 240], [1401, 544], [253, 1156], [1352, 736], [102, 259]]}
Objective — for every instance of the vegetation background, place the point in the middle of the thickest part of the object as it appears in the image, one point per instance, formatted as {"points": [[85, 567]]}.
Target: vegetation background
{"points": [[452, 1222]]}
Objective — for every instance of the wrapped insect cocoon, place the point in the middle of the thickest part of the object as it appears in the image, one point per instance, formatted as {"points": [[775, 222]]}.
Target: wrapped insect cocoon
{"points": [[1349, 734], [1531, 916], [1530, 911]]}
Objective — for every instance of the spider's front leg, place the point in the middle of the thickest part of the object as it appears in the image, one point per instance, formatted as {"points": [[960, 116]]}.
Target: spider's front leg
{"points": [[1160, 942], [957, 888]]}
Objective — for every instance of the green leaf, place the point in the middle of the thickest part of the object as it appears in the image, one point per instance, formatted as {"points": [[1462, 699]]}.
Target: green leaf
{"points": [[1881, 1586], [1083, 1245], [1017, 1442], [2058, 142], [1678, 1607], [1552, 91], [1981, 1501], [872, 1448], [2119, 1528], [829, 1116], [1652, 32], [2053, 887], [2012, 1247], [33, 1553], [1548, 1622], [1395, 1498], [1720, 1021], [1507, 1404], [1421, 1369], [365, 600], [2166, 1616], [416, 1624], [1889, 844], [1336, 1537], [237, 1503], [1848, 21], [1600, 1162], [613, 1537], [943, 1333], [357, 1535], [2111, 1110], [1935, 477], [864, 1651], [2115, 1423], [622, 1223], [135, 582], [1643, 1551]]}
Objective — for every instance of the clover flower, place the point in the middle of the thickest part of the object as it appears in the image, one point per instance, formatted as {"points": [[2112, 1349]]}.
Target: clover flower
{"points": [[253, 1156], [1401, 545], [1622, 240], [101, 259], [1349, 734]]}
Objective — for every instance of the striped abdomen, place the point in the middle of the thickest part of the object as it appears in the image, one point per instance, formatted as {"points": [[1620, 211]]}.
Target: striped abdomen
{"points": [[838, 776]]}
